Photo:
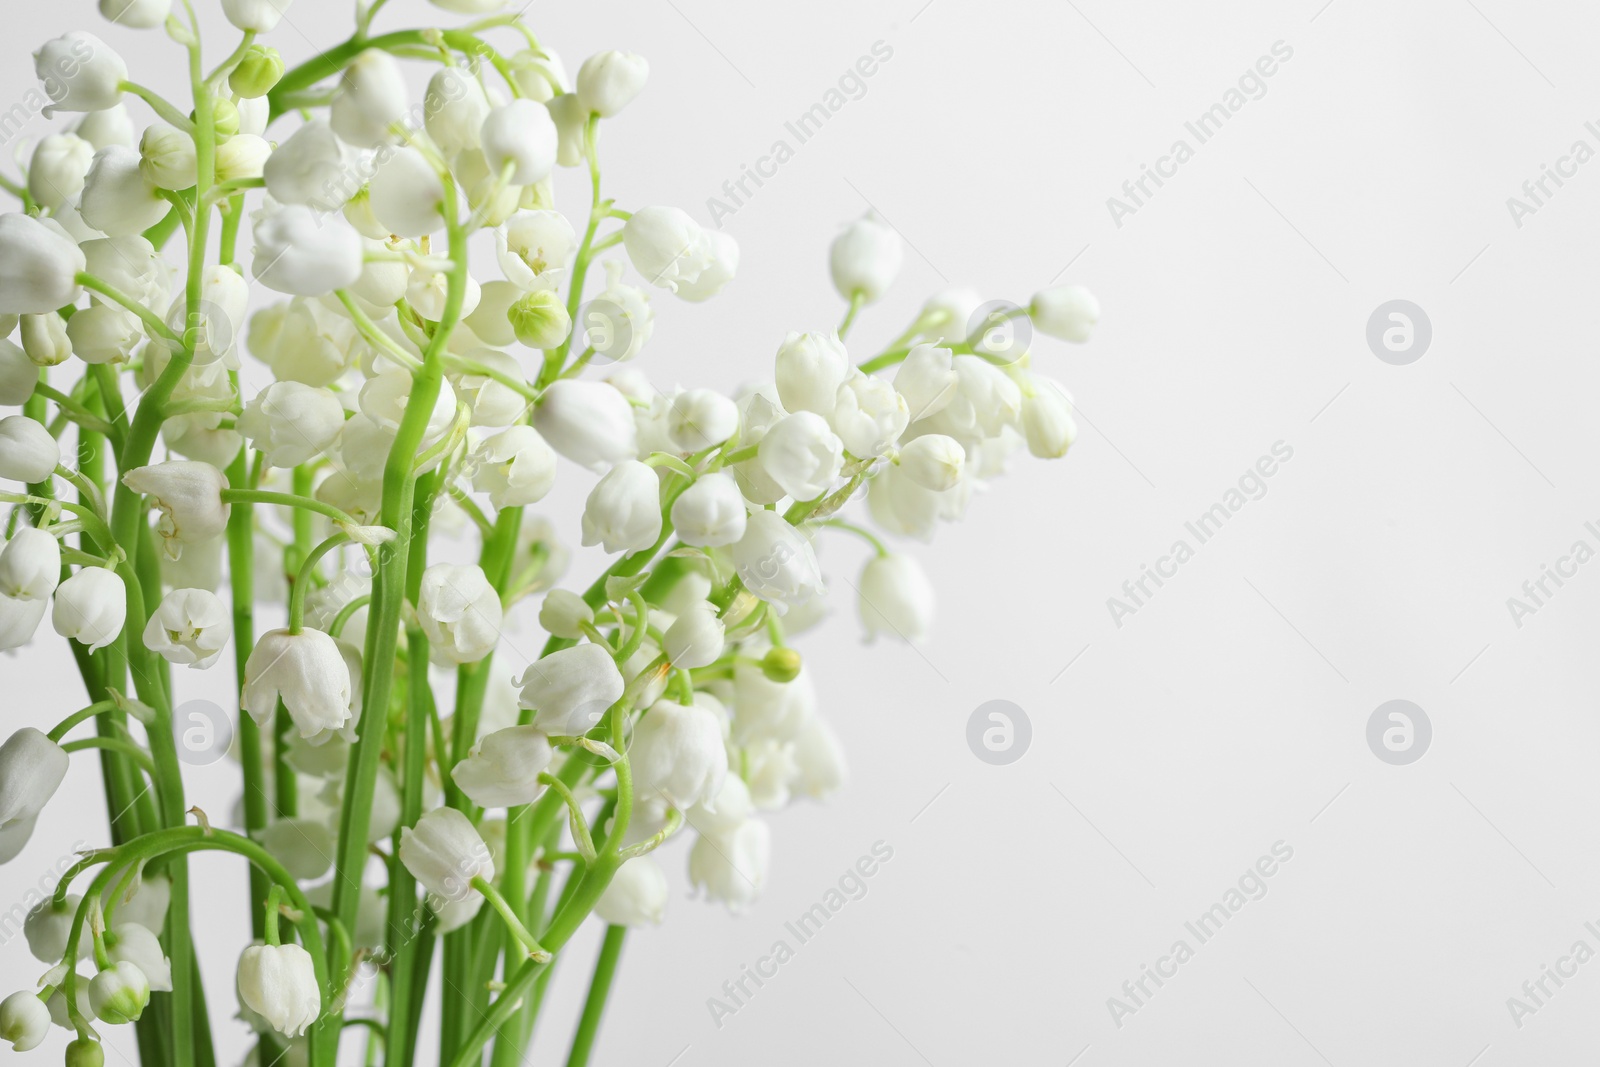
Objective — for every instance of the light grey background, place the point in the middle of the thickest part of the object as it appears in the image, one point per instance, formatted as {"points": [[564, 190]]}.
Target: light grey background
{"points": [[1230, 712]]}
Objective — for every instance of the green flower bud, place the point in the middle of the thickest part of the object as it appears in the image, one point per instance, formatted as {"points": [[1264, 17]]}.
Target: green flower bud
{"points": [[119, 993], [85, 1052], [781, 665], [539, 319], [257, 72], [224, 116]]}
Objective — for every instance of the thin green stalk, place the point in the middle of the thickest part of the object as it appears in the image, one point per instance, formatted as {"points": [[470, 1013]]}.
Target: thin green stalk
{"points": [[605, 969]]}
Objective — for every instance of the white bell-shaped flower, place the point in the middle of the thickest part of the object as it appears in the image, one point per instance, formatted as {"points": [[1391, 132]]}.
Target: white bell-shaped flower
{"points": [[711, 512], [24, 1020], [520, 135], [28, 452], [776, 561], [623, 511], [608, 81], [802, 454], [678, 755], [1047, 421], [516, 467], [56, 172], [30, 565], [444, 852], [933, 461], [313, 167], [732, 866], [307, 672], [459, 611], [117, 199], [695, 638], [869, 416], [119, 994], [80, 72], [370, 98], [666, 246], [131, 942], [90, 607], [636, 896], [533, 248], [1069, 312], [301, 254], [590, 423], [895, 598], [39, 266], [502, 770], [570, 690], [864, 259], [279, 983], [32, 768], [810, 367]]}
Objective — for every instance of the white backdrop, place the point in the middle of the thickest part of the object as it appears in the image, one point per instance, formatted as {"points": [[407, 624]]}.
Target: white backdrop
{"points": [[1228, 714]]}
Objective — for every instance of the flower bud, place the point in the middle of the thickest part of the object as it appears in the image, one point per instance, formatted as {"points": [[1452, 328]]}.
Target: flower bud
{"points": [[297, 254], [453, 109], [80, 72], [896, 598], [781, 664], [167, 157], [801, 454], [119, 994], [666, 246], [30, 564], [588, 422], [459, 611], [520, 135], [563, 614], [539, 319], [255, 16], [242, 157], [189, 495], [623, 511], [1047, 421], [279, 983], [291, 423], [502, 769], [103, 333], [868, 415], [864, 259], [135, 944], [1066, 311], [24, 1020], [407, 194], [18, 375], [700, 418], [371, 97], [444, 852], [27, 451], [117, 200], [224, 116], [695, 638], [312, 167], [190, 628], [516, 467], [59, 165], [85, 1052], [731, 866], [307, 672], [711, 512], [810, 368], [636, 896], [538, 75], [571, 689], [933, 461], [45, 339], [39, 266], [608, 81], [136, 14], [776, 561], [90, 607], [257, 72]]}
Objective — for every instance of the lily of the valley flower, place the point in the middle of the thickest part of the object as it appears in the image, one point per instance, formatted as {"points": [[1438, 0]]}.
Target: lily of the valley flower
{"points": [[1069, 312], [279, 983], [864, 259], [189, 496], [776, 561], [637, 895], [623, 511], [520, 135], [515, 467], [810, 368], [119, 994], [711, 512], [190, 627], [570, 689], [133, 943], [28, 453], [39, 266], [24, 1020], [695, 638], [731, 866], [290, 423], [678, 754], [444, 852], [307, 672], [895, 598], [802, 454], [459, 611], [302, 255], [117, 199], [608, 81], [90, 607], [80, 72], [502, 770]]}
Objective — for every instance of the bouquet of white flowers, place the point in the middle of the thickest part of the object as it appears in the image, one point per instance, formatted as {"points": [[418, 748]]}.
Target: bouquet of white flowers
{"points": [[395, 779]]}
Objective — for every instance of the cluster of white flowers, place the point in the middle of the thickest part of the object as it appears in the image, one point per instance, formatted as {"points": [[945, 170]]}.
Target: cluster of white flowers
{"points": [[412, 404]]}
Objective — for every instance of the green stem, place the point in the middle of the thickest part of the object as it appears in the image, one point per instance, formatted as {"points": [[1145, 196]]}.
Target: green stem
{"points": [[605, 969], [287, 500]]}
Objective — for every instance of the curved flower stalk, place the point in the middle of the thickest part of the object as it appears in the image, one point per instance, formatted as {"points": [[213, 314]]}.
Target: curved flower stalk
{"points": [[359, 528]]}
